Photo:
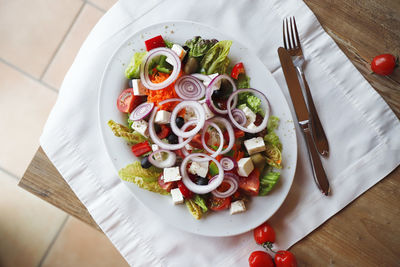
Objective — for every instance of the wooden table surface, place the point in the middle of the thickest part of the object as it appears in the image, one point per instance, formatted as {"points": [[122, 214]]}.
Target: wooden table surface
{"points": [[367, 231]]}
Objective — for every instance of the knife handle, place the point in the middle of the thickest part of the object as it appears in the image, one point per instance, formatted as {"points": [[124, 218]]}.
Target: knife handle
{"points": [[318, 132], [318, 170]]}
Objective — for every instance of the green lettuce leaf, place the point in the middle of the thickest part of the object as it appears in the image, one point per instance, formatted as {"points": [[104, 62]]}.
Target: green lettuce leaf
{"points": [[267, 182], [133, 69], [243, 82], [272, 138], [168, 44], [216, 59], [274, 156], [198, 46], [129, 135], [194, 209], [200, 202]]}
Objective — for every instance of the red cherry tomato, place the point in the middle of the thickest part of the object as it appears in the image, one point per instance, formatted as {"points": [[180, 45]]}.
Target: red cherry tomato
{"points": [[236, 70], [165, 131], [216, 203], [285, 258], [184, 190], [383, 64], [126, 100], [260, 259], [165, 185], [154, 42], [264, 233], [250, 184]]}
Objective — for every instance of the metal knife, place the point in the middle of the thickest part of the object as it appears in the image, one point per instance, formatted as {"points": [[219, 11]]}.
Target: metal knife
{"points": [[303, 118]]}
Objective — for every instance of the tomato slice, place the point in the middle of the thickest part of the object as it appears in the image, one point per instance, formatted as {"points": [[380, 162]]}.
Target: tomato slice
{"points": [[196, 141], [127, 101], [154, 42], [237, 69], [250, 184], [184, 190], [165, 131], [165, 185], [217, 204]]}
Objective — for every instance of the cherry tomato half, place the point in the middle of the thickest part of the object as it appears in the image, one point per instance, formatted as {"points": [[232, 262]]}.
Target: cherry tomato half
{"points": [[250, 184], [127, 101], [260, 259], [264, 233], [285, 258], [165, 185], [383, 64], [216, 203], [184, 190], [237, 69]]}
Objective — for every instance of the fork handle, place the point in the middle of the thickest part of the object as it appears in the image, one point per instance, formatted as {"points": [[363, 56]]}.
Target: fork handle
{"points": [[318, 133]]}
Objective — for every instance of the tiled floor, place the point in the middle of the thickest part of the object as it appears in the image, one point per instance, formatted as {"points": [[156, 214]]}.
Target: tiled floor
{"points": [[38, 42]]}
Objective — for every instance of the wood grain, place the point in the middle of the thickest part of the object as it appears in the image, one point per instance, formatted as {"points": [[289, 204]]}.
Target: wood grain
{"points": [[367, 231]]}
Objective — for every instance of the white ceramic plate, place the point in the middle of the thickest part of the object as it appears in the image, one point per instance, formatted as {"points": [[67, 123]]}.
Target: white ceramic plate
{"points": [[222, 223]]}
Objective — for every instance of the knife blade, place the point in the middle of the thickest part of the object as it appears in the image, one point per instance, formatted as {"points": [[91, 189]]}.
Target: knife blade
{"points": [[303, 118]]}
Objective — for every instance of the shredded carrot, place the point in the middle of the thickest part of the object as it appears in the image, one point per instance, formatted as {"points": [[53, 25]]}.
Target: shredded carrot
{"points": [[158, 77]]}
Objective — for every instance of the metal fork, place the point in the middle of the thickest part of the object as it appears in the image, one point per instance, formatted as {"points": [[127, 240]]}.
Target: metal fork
{"points": [[292, 44]]}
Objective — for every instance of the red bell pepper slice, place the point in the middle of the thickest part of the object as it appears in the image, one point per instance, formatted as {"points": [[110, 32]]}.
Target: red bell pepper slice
{"points": [[154, 42], [237, 69], [141, 148]]}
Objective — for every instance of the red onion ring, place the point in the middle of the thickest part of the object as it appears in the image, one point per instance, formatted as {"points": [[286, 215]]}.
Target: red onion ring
{"points": [[239, 116], [201, 189], [154, 136], [189, 88], [201, 77], [141, 111], [200, 115], [180, 138], [210, 90], [228, 163], [144, 67], [169, 162], [263, 124], [230, 131], [234, 185], [221, 139]]}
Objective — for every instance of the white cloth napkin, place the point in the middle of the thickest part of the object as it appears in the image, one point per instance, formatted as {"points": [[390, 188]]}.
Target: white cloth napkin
{"points": [[362, 130]]}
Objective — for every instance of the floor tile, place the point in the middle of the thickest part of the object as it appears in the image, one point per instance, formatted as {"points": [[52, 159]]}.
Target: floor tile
{"points": [[27, 225], [68, 50], [31, 31], [24, 107], [81, 245], [104, 4]]}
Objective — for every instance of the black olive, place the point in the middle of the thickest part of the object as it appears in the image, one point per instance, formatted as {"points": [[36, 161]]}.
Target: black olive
{"points": [[172, 139], [191, 66], [157, 128], [218, 94], [201, 181], [249, 135], [179, 122], [145, 163], [130, 83]]}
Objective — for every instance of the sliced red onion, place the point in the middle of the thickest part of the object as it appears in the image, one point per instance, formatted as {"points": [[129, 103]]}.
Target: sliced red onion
{"points": [[200, 118], [141, 111], [202, 77], [228, 163], [168, 162], [221, 139], [230, 131], [144, 68], [239, 116], [154, 136], [201, 189], [263, 124], [210, 90], [189, 87], [180, 138], [232, 189]]}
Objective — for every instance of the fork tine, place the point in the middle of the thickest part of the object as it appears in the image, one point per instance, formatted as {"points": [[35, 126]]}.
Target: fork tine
{"points": [[297, 33], [283, 33], [292, 33], [287, 34]]}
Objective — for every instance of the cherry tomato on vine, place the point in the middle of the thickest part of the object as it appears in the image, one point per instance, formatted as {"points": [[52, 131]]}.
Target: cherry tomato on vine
{"points": [[260, 259], [264, 234], [383, 64], [285, 258]]}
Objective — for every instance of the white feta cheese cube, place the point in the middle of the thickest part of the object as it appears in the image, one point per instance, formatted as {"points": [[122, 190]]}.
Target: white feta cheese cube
{"points": [[212, 76], [157, 156], [245, 167], [172, 174], [250, 115], [177, 196], [138, 88], [141, 127], [237, 207], [199, 168], [208, 112], [162, 117], [254, 145], [179, 51], [251, 126]]}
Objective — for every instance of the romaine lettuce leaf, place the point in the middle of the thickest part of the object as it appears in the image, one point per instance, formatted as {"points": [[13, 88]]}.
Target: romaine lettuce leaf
{"points": [[129, 135], [272, 138], [243, 82], [200, 202], [274, 156], [133, 69], [267, 182], [198, 46], [216, 59], [194, 209]]}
